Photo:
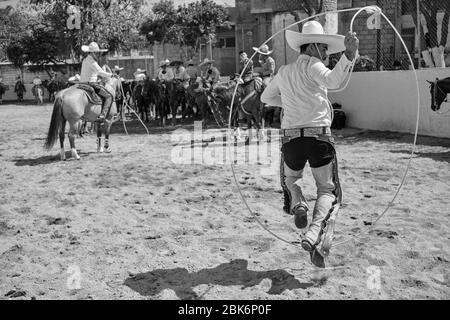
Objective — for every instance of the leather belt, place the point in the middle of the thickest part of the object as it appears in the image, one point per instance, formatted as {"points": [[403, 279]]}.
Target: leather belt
{"points": [[306, 132]]}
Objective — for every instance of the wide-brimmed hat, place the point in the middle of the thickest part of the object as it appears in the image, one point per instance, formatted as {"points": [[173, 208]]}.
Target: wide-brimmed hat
{"points": [[176, 63], [139, 71], [206, 61], [190, 62], [164, 63], [312, 32], [117, 68], [92, 47], [264, 49]]}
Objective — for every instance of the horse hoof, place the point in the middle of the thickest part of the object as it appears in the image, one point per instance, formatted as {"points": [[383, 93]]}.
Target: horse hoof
{"points": [[100, 150], [108, 150]]}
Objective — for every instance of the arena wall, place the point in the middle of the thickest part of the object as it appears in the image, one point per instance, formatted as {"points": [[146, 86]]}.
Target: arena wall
{"points": [[387, 100]]}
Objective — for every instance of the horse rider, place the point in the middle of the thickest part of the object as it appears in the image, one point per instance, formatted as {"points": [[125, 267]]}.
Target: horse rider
{"points": [[266, 72], [165, 73], [267, 63], [245, 66], [192, 71], [300, 88], [37, 82], [19, 88], [116, 70], [90, 71], [211, 74], [181, 74]]}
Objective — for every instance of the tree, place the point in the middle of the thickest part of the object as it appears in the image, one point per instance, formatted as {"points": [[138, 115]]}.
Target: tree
{"points": [[310, 7], [112, 24], [184, 26], [201, 20]]}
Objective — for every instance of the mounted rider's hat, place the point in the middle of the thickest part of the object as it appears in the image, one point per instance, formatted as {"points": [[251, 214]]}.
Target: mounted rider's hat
{"points": [[139, 71], [190, 62], [164, 63], [312, 32], [206, 61], [117, 68], [92, 47], [264, 49]]}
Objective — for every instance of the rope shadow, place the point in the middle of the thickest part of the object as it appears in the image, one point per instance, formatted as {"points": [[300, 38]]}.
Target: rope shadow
{"points": [[234, 273], [437, 156]]}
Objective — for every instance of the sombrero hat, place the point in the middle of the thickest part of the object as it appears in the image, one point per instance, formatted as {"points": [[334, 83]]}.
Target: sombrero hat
{"points": [[139, 71], [190, 62], [92, 47], [205, 61], [264, 49], [312, 32], [117, 68], [164, 63]]}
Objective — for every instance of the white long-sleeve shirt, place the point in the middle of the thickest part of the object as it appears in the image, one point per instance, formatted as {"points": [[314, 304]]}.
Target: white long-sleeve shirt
{"points": [[301, 88], [90, 70]]}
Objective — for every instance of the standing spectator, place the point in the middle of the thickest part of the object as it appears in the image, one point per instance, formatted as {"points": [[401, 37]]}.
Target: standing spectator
{"points": [[19, 89], [2, 90]]}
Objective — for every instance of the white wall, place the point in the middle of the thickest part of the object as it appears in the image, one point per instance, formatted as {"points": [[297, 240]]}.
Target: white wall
{"points": [[387, 100]]}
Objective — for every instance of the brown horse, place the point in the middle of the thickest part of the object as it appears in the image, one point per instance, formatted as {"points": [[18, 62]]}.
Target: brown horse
{"points": [[247, 100], [73, 105]]}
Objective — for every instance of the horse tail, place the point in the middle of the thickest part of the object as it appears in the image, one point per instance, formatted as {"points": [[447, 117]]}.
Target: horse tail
{"points": [[55, 123]]}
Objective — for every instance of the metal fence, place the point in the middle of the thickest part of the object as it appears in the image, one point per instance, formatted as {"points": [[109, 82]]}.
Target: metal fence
{"points": [[423, 25]]}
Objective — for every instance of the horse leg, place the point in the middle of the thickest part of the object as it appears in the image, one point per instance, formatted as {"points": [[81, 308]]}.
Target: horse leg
{"points": [[61, 140], [174, 106], [107, 130], [72, 133], [99, 140]]}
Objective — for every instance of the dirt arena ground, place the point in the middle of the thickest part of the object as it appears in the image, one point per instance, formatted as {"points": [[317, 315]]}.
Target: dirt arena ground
{"points": [[132, 224]]}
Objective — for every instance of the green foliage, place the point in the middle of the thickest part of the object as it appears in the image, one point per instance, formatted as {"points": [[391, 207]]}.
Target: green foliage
{"points": [[184, 25], [46, 38]]}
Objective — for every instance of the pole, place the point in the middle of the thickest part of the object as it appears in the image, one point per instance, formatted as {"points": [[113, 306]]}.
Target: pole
{"points": [[284, 40], [418, 35]]}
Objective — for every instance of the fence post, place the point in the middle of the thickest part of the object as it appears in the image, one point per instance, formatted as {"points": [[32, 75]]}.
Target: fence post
{"points": [[418, 35], [284, 41]]}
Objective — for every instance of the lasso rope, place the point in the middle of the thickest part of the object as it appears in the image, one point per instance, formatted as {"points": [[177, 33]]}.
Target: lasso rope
{"points": [[368, 9], [129, 107]]}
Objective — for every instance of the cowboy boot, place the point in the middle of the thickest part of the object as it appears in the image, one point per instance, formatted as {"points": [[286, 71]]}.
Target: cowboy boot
{"points": [[324, 205], [298, 205]]}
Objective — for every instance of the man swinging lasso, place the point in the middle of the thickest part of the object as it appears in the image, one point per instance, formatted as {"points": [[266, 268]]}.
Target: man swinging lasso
{"points": [[300, 88]]}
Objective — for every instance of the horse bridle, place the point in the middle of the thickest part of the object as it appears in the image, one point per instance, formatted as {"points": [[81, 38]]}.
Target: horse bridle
{"points": [[435, 88]]}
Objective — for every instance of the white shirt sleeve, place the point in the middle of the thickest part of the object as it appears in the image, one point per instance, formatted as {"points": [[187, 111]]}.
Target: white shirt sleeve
{"points": [[100, 71], [330, 79], [271, 94]]}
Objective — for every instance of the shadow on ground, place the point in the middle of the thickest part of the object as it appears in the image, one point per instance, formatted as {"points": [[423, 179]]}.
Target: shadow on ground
{"points": [[234, 273], [31, 162], [437, 156]]}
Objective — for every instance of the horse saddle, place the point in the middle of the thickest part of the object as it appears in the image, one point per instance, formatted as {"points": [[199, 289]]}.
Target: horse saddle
{"points": [[90, 93]]}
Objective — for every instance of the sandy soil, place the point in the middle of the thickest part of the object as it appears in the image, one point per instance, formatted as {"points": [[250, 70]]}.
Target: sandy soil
{"points": [[133, 224]]}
